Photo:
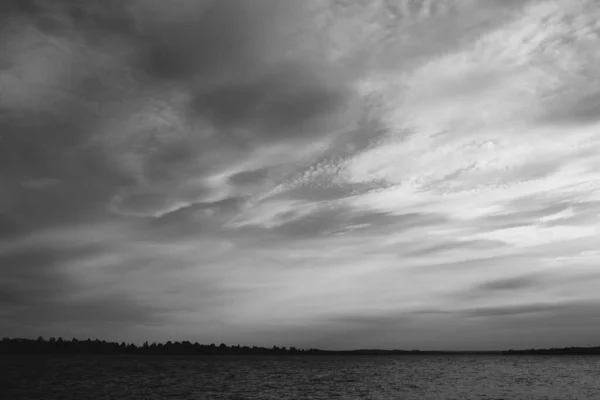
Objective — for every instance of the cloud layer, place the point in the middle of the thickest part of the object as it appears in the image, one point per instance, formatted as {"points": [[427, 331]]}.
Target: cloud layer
{"points": [[335, 174]]}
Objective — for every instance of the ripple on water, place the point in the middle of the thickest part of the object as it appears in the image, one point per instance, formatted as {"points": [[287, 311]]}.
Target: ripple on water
{"points": [[311, 377]]}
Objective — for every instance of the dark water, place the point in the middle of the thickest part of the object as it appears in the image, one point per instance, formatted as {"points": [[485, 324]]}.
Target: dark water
{"points": [[320, 377]]}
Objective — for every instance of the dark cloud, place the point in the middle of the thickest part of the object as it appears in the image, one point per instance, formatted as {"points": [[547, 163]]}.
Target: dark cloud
{"points": [[277, 105], [36, 290], [585, 109], [314, 187], [9, 227], [204, 38], [511, 284], [221, 207], [94, 19], [52, 135], [243, 65], [198, 219], [508, 311], [453, 245], [172, 174], [189, 44], [367, 133], [310, 192], [101, 17], [173, 159], [17, 8], [55, 170], [478, 263], [249, 177], [35, 145], [33, 276], [155, 200], [339, 220], [10, 7]]}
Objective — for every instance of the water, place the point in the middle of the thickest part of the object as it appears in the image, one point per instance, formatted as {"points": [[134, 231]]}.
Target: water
{"points": [[299, 377]]}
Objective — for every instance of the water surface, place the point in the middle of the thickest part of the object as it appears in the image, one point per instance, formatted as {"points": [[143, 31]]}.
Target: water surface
{"points": [[300, 377]]}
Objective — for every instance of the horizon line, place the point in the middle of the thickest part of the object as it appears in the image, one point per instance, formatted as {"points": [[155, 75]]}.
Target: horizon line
{"points": [[53, 339]]}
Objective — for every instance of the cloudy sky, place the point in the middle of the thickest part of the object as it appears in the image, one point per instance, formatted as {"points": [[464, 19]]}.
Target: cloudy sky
{"points": [[319, 173]]}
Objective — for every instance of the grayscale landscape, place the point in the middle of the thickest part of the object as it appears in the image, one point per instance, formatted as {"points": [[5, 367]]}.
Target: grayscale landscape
{"points": [[299, 199]]}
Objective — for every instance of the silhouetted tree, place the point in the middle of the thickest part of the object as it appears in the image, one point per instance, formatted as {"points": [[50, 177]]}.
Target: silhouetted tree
{"points": [[74, 346]]}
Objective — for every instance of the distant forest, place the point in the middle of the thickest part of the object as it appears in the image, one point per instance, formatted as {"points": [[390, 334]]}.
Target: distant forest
{"points": [[556, 351], [75, 346]]}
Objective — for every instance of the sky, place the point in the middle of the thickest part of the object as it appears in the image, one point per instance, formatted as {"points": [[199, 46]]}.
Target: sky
{"points": [[398, 174]]}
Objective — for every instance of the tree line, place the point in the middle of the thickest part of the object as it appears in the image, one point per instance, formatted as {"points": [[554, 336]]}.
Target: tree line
{"points": [[556, 351], [75, 346]]}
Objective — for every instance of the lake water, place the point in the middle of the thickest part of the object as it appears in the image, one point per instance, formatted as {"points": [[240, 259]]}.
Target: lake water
{"points": [[299, 377]]}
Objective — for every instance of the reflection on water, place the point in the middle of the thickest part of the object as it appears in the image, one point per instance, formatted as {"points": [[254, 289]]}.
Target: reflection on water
{"points": [[300, 377]]}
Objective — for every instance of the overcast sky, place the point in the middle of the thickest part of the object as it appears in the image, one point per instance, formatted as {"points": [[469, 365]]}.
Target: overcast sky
{"points": [[317, 173]]}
